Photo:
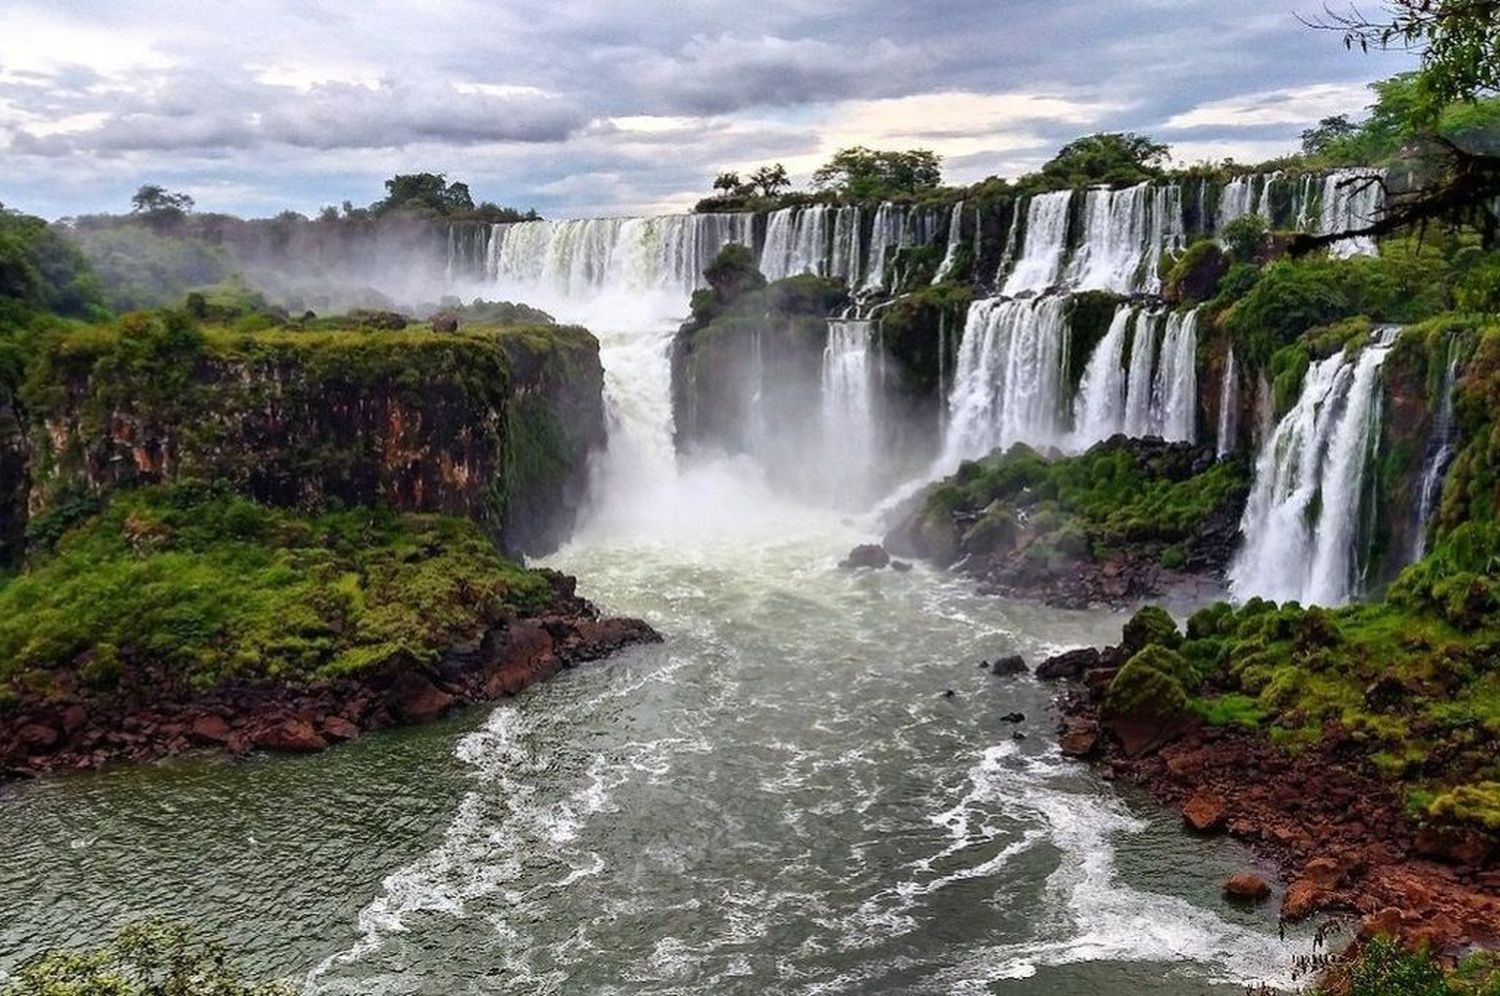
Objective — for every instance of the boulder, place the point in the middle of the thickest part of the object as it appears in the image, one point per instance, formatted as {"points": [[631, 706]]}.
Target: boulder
{"points": [[37, 736], [339, 728], [1013, 717], [870, 555], [294, 734], [1248, 887], [900, 566], [414, 699], [1005, 667], [1080, 738], [1302, 898], [210, 729], [445, 321], [1204, 811], [1070, 665]]}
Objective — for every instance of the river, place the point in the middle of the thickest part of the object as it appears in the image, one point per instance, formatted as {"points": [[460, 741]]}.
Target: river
{"points": [[780, 798]]}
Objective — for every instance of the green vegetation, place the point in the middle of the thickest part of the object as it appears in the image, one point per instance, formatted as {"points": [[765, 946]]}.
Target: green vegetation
{"points": [[1383, 968], [42, 272], [1115, 158], [865, 174], [1115, 496], [150, 958], [188, 586]]}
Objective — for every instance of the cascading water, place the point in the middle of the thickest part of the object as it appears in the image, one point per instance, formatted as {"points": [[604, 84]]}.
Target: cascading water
{"points": [[1099, 408], [1124, 233], [1228, 400], [1234, 200], [1352, 199], [955, 239], [1301, 522], [1137, 419], [1175, 389], [1440, 448], [1008, 377], [1046, 243], [850, 423]]}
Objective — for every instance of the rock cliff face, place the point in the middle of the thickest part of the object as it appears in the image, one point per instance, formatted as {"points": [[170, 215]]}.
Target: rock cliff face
{"points": [[14, 480], [494, 425]]}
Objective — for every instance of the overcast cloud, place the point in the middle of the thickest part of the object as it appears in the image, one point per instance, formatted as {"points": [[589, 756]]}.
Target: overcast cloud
{"points": [[622, 106]]}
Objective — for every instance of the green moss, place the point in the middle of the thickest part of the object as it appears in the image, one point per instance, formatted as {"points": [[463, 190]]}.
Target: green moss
{"points": [[1230, 710], [190, 585], [1149, 626], [1150, 684]]}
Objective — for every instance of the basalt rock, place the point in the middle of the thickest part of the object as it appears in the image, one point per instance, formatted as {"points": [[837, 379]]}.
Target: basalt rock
{"points": [[868, 555], [1005, 667], [1070, 665]]}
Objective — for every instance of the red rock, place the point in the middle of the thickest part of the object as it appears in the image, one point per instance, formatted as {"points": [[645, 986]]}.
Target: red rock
{"points": [[1324, 872], [38, 736], [1455, 846], [1302, 898], [339, 728], [73, 717], [294, 734], [416, 700], [1246, 886], [210, 728], [524, 654], [1080, 738], [1204, 811], [1386, 923]]}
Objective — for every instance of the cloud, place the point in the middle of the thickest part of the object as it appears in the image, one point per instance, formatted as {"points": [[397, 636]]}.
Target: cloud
{"points": [[613, 106], [1305, 105]]}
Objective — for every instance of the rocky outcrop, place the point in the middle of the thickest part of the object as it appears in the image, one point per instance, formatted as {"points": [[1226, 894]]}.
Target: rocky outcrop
{"points": [[15, 479], [66, 727], [1035, 540], [493, 425], [1341, 837]]}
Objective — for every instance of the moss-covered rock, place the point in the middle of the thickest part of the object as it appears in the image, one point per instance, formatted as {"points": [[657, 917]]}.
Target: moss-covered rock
{"points": [[1151, 625], [1150, 685]]}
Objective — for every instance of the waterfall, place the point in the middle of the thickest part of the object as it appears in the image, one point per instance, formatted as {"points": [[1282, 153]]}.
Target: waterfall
{"points": [[850, 426], [1012, 245], [1008, 378], [801, 240], [572, 261], [1175, 389], [1137, 417], [1352, 198], [1046, 242], [1099, 409], [1301, 523], [955, 239], [1234, 200], [1440, 447], [1116, 230], [1263, 200], [885, 237], [846, 252], [1227, 400]]}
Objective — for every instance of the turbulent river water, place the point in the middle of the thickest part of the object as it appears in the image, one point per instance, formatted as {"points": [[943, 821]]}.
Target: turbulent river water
{"points": [[778, 799]]}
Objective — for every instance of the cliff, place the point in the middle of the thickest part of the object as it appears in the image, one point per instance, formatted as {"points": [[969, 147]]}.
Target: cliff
{"points": [[494, 424]]}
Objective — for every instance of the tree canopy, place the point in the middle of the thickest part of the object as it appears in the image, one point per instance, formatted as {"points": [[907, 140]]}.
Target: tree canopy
{"points": [[42, 270], [869, 174], [424, 193], [1107, 157], [156, 199]]}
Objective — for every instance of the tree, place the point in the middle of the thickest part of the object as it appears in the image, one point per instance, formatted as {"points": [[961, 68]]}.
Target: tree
{"points": [[1330, 131], [424, 193], [156, 199], [1243, 237], [728, 182], [770, 180], [1459, 44], [868, 174], [1459, 41], [1107, 157]]}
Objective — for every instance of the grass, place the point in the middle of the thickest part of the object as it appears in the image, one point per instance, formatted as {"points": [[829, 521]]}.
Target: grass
{"points": [[190, 584]]}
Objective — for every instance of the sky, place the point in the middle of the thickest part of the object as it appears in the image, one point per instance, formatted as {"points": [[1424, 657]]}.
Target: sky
{"points": [[581, 108]]}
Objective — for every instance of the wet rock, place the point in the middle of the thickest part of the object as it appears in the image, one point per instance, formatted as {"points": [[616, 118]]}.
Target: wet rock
{"points": [[1018, 735], [1013, 717], [1204, 811], [414, 699], [73, 718], [1068, 666], [1080, 738], [1008, 666], [210, 729], [871, 555], [295, 735], [445, 321], [339, 728], [37, 736], [900, 566], [1247, 887], [1301, 900], [948, 694]]}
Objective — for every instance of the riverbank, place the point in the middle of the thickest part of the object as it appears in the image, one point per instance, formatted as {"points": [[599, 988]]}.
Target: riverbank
{"points": [[185, 617], [1346, 841]]}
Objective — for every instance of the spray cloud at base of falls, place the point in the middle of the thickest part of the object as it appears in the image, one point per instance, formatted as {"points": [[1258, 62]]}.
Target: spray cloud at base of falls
{"points": [[1302, 522]]}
